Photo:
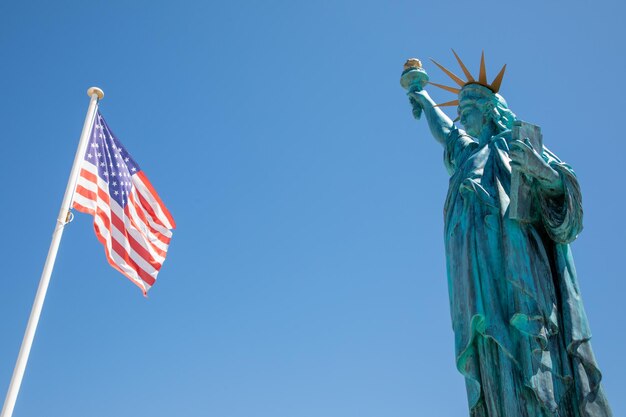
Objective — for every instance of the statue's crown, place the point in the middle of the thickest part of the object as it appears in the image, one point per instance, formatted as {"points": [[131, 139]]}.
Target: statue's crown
{"points": [[482, 78]]}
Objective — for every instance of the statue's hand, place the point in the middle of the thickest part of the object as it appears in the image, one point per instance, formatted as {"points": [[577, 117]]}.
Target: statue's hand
{"points": [[417, 98], [528, 161]]}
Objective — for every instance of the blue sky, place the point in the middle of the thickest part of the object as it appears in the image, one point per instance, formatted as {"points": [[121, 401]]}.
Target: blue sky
{"points": [[306, 277]]}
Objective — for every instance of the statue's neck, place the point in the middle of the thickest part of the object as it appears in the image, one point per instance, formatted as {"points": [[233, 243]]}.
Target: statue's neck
{"points": [[489, 130]]}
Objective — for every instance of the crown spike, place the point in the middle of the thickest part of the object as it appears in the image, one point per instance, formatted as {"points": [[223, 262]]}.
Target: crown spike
{"points": [[497, 82], [482, 77], [448, 103], [463, 67], [456, 79], [445, 87]]}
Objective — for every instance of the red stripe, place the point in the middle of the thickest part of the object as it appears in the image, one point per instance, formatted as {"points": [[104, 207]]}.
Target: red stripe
{"points": [[156, 197], [86, 193], [82, 208], [89, 176], [102, 195]]}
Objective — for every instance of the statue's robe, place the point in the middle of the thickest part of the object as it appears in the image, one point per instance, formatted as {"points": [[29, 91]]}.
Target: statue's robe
{"points": [[522, 340]]}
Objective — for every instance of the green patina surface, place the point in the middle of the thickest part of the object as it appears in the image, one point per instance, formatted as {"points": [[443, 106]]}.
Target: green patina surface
{"points": [[522, 340]]}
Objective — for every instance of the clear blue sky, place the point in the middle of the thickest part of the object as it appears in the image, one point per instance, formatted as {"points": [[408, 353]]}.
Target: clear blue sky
{"points": [[306, 277]]}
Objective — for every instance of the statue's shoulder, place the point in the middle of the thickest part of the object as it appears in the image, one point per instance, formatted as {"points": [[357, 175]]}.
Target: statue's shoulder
{"points": [[456, 133]]}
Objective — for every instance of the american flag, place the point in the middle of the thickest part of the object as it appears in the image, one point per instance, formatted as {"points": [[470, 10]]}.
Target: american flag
{"points": [[130, 219]]}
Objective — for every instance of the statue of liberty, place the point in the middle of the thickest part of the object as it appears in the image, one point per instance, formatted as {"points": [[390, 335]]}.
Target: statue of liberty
{"points": [[522, 340]]}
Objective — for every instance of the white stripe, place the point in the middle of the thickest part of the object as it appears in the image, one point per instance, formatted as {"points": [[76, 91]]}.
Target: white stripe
{"points": [[87, 184], [85, 201], [88, 166]]}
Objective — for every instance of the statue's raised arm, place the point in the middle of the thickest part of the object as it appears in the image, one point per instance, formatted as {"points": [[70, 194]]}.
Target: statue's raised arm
{"points": [[413, 79]]}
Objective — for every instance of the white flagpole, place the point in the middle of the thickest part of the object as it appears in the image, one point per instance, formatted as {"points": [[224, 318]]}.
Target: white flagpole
{"points": [[22, 358]]}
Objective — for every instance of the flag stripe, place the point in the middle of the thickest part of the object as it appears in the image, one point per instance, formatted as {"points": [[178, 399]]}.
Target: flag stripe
{"points": [[90, 176]]}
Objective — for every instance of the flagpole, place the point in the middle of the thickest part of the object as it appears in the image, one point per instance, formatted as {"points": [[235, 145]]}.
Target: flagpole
{"points": [[20, 366]]}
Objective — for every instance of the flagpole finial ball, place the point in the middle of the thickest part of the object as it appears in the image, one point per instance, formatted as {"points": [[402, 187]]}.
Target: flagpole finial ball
{"points": [[96, 91]]}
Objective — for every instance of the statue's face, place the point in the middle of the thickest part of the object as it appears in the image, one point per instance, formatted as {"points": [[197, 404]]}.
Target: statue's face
{"points": [[471, 118]]}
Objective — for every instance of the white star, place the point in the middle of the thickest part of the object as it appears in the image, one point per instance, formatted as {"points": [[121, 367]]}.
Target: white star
{"points": [[114, 183], [115, 192], [93, 145], [118, 164], [99, 154], [113, 173], [127, 159], [89, 155], [111, 164], [133, 169], [101, 135], [106, 174], [101, 164]]}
